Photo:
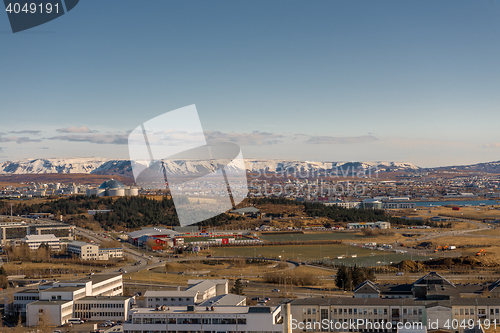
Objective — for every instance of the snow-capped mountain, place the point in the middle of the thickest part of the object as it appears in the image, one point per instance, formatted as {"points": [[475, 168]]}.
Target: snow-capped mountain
{"points": [[52, 165], [103, 166]]}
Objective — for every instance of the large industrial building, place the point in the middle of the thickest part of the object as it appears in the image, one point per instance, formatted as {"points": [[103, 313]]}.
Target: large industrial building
{"points": [[96, 297], [241, 319], [11, 231], [112, 188]]}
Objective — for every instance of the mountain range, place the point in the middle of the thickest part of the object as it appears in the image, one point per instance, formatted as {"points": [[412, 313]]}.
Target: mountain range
{"points": [[103, 166]]}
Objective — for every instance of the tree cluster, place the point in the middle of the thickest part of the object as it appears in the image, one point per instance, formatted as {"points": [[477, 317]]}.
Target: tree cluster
{"points": [[347, 278]]}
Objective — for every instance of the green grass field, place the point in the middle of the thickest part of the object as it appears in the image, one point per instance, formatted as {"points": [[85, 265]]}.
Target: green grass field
{"points": [[329, 253], [312, 236]]}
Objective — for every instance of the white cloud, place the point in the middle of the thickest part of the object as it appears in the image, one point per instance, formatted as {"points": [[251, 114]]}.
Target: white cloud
{"points": [[74, 129], [32, 132], [18, 139], [116, 139], [322, 140], [255, 138]]}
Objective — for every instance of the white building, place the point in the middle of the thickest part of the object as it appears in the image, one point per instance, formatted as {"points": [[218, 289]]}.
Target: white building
{"points": [[198, 291], [59, 302], [84, 251], [103, 307], [399, 205], [156, 298], [107, 254], [255, 319], [344, 204], [87, 251], [365, 225], [49, 312], [34, 241]]}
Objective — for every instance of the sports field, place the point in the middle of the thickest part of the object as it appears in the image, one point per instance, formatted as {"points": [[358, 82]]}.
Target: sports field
{"points": [[311, 236], [364, 257]]}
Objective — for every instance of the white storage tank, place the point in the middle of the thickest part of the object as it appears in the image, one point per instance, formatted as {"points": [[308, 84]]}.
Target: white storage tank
{"points": [[116, 192], [132, 191]]}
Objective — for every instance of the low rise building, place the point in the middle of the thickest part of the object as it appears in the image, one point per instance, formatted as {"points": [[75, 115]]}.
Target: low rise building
{"points": [[88, 251], [251, 319], [34, 241], [103, 307], [364, 225], [84, 251], [60, 301]]}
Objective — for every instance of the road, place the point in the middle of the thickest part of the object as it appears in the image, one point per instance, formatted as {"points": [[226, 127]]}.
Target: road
{"points": [[147, 262]]}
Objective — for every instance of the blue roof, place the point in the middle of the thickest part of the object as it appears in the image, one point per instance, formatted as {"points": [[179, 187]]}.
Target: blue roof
{"points": [[111, 184]]}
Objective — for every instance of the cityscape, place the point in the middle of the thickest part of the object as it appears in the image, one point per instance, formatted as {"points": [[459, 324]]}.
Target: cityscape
{"points": [[257, 166]]}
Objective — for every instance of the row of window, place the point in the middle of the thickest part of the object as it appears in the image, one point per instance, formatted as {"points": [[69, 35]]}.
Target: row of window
{"points": [[191, 321], [357, 311], [26, 298], [87, 315], [172, 299], [98, 306]]}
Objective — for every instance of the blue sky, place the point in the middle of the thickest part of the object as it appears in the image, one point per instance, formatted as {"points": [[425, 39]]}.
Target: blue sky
{"points": [[409, 81]]}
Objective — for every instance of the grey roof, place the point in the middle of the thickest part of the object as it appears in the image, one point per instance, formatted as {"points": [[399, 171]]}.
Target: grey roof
{"points": [[62, 289], [367, 287], [191, 282], [44, 237], [101, 298], [494, 285], [28, 291], [96, 278], [224, 300], [49, 302], [171, 293], [251, 210], [433, 278], [203, 286], [79, 243], [153, 231]]}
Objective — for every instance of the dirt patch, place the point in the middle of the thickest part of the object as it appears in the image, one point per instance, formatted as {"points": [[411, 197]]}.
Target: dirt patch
{"points": [[468, 261]]}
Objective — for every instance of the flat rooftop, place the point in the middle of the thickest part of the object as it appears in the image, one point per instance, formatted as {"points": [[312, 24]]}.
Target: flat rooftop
{"points": [[103, 298], [49, 302], [97, 278], [224, 300], [62, 289], [28, 291], [170, 293], [203, 310]]}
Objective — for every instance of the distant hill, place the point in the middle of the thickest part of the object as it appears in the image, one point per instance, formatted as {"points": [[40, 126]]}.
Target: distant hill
{"points": [[489, 167]]}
